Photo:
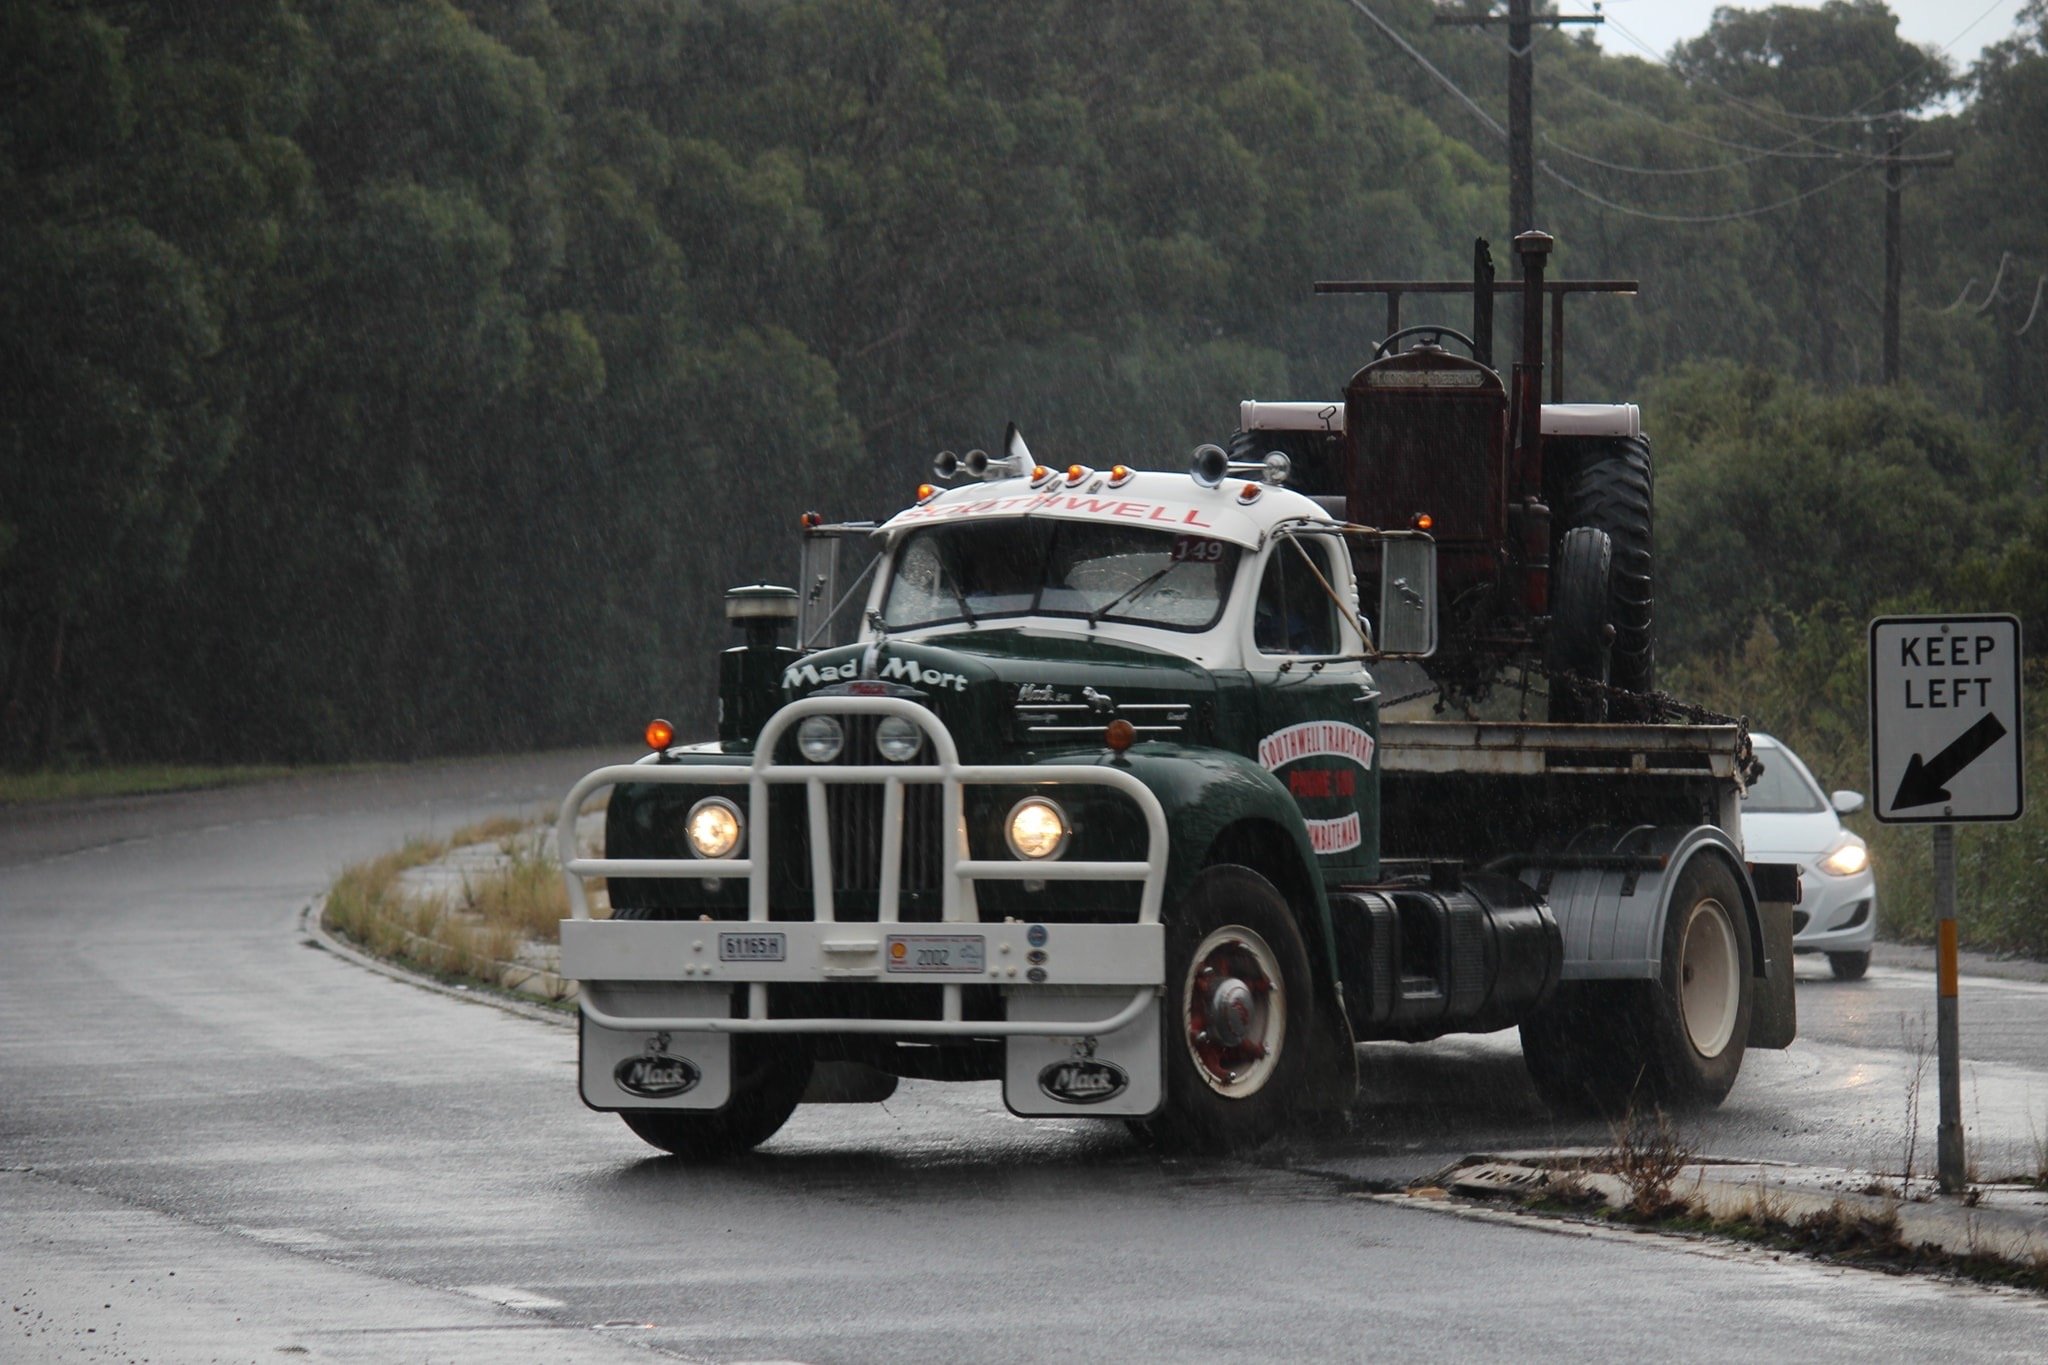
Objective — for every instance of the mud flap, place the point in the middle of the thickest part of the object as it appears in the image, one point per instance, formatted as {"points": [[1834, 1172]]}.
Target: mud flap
{"points": [[1331, 1087], [656, 1068], [1111, 1075], [1774, 1014]]}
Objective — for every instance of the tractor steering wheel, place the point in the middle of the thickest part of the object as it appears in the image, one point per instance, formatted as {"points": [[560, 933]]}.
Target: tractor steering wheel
{"points": [[1439, 332]]}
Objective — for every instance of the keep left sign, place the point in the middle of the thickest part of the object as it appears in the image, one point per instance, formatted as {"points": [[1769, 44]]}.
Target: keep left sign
{"points": [[1945, 725]]}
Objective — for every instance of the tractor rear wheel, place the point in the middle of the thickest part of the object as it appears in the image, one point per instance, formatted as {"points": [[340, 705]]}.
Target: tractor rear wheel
{"points": [[1610, 488], [1581, 638]]}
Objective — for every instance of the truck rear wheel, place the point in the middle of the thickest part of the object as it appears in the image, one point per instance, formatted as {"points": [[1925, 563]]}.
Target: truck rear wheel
{"points": [[1587, 1049], [1699, 1018], [768, 1079], [1601, 1046], [1581, 637], [1240, 1009]]}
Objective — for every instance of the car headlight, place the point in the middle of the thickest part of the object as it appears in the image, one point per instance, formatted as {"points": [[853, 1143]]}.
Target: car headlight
{"points": [[820, 739], [898, 738], [1037, 828], [1846, 861], [714, 827]]}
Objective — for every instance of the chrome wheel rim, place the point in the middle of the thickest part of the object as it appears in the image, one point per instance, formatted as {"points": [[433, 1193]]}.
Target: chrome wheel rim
{"points": [[1709, 978], [1234, 1007]]}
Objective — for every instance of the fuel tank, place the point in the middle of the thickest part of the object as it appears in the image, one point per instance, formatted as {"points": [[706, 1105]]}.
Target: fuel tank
{"points": [[1420, 959]]}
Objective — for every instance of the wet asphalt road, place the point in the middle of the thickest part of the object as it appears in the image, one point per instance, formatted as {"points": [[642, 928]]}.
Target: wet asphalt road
{"points": [[219, 1143]]}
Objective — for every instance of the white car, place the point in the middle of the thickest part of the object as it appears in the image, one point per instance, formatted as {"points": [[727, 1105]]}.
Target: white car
{"points": [[1787, 819]]}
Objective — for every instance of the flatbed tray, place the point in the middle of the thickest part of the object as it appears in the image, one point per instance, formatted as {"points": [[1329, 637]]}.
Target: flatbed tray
{"points": [[1530, 749]]}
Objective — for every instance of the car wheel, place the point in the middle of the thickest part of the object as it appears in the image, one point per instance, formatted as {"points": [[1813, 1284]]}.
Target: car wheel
{"points": [[1849, 966]]}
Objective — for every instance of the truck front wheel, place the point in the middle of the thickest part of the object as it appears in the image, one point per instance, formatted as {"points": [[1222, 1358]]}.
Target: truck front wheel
{"points": [[768, 1078], [1241, 1005]]}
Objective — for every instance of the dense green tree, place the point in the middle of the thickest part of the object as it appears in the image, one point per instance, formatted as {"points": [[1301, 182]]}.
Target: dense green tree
{"points": [[392, 376]]}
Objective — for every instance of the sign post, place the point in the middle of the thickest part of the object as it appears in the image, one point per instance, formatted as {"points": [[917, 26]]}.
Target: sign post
{"points": [[1946, 749]]}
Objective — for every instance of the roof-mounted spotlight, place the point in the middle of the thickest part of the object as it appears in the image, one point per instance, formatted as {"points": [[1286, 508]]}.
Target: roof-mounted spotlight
{"points": [[1212, 464]]}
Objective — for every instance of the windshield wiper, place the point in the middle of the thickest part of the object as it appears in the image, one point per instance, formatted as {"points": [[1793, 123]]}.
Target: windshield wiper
{"points": [[1132, 593], [966, 612]]}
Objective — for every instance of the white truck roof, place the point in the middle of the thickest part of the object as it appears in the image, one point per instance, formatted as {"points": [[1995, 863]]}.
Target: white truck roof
{"points": [[1166, 502]]}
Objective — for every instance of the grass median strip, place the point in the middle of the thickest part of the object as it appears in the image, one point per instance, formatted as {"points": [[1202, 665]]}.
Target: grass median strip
{"points": [[1652, 1178], [72, 784], [480, 907]]}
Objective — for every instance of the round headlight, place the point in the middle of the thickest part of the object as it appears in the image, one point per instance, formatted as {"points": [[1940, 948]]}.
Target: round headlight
{"points": [[714, 827], [899, 739], [820, 739], [1037, 828]]}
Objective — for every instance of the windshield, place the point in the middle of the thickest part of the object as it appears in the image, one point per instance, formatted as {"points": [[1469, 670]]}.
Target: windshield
{"points": [[1783, 789], [1041, 567]]}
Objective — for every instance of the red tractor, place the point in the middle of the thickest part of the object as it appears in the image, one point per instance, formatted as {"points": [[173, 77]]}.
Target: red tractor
{"points": [[1541, 511]]}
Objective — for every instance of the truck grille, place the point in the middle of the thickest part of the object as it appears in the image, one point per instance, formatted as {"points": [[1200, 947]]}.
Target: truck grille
{"points": [[853, 818]]}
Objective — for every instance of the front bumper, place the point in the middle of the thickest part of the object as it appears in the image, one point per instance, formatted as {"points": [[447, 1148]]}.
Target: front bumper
{"points": [[663, 999], [1836, 914]]}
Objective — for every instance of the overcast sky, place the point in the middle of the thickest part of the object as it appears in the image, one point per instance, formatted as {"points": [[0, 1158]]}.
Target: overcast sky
{"points": [[1953, 24]]}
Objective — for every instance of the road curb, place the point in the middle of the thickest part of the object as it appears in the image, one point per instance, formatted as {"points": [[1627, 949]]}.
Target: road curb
{"points": [[312, 920]]}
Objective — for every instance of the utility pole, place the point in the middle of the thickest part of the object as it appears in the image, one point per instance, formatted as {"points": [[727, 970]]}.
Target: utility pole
{"points": [[1894, 161], [1522, 24]]}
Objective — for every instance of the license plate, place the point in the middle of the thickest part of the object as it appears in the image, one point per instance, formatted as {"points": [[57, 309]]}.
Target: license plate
{"points": [[751, 947], [963, 953]]}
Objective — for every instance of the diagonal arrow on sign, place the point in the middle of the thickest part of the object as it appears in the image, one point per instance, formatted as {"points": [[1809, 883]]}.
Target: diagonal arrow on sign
{"points": [[1926, 784]]}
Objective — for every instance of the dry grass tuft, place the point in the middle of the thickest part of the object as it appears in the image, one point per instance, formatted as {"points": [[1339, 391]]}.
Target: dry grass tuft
{"points": [[1649, 1156]]}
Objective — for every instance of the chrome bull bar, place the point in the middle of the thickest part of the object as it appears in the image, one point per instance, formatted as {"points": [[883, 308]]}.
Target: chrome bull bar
{"points": [[650, 951]]}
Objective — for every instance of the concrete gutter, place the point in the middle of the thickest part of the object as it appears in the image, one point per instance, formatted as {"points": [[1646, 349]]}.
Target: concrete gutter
{"points": [[2008, 1221]]}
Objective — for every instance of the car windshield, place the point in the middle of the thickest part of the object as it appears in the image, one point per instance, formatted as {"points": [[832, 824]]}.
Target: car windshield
{"points": [[1041, 567], [1783, 789]]}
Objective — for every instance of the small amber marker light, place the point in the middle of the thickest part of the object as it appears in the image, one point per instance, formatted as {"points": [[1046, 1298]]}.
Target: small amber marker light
{"points": [[1424, 521], [1120, 734], [810, 519], [1038, 472], [1119, 472], [926, 492], [660, 734], [1076, 473]]}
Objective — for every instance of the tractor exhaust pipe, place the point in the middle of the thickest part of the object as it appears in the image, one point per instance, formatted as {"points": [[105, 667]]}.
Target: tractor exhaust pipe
{"points": [[1482, 303], [1534, 249]]}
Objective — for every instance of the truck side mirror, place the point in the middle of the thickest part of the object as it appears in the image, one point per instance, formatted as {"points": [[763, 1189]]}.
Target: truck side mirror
{"points": [[1407, 624]]}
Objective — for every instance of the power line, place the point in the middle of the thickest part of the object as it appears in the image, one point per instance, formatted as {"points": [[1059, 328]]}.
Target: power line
{"points": [[1826, 151], [1425, 64], [2038, 284], [1854, 115], [1753, 212], [1573, 185]]}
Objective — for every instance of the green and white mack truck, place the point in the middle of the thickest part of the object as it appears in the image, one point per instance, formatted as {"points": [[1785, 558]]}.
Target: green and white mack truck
{"points": [[1082, 785]]}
